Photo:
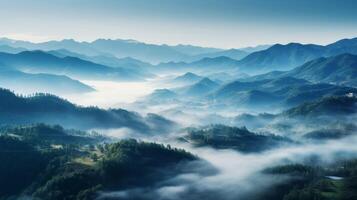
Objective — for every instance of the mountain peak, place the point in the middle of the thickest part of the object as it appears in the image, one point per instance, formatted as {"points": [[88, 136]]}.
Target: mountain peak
{"points": [[207, 82]]}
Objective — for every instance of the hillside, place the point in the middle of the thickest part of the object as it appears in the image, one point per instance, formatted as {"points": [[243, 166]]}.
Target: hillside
{"points": [[286, 57], [200, 88], [285, 91], [50, 109], [241, 139], [46, 83], [341, 69], [329, 106], [280, 57], [45, 173], [186, 79], [151, 53], [41, 62]]}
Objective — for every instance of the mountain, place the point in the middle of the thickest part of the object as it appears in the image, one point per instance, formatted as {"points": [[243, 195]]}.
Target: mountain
{"points": [[9, 49], [180, 94], [205, 65], [50, 109], [236, 54], [161, 96], [69, 44], [194, 50], [330, 106], [46, 83], [341, 69], [45, 135], [200, 88], [187, 78], [269, 85], [225, 137], [142, 51], [215, 63], [119, 48], [342, 46], [41, 62], [103, 59], [83, 171], [139, 67], [284, 91], [256, 48], [280, 57], [286, 57]]}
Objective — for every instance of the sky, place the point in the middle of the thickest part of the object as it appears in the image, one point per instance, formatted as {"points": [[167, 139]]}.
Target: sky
{"points": [[213, 23]]}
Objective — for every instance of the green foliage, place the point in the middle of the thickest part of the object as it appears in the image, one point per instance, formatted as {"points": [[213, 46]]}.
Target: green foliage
{"points": [[20, 165], [50, 109], [336, 105], [129, 159], [45, 135], [313, 183], [225, 137], [30, 168]]}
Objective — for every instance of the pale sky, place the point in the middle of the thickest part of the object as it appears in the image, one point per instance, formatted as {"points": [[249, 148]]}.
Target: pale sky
{"points": [[215, 23]]}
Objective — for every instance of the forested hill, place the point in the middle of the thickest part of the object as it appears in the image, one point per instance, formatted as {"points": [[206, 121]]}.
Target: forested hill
{"points": [[50, 109]]}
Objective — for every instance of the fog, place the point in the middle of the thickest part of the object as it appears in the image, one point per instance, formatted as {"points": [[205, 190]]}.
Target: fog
{"points": [[220, 174], [238, 176], [112, 94]]}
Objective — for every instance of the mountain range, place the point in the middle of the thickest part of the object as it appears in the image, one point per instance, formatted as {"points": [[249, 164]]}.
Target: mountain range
{"points": [[50, 109], [284, 91], [340, 70], [42, 62], [46, 83], [277, 57], [286, 57], [120, 48], [330, 106]]}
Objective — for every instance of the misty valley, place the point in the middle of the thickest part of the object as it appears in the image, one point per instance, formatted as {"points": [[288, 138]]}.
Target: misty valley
{"points": [[123, 119]]}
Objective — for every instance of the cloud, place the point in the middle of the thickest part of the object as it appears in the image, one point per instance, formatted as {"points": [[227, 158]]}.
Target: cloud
{"points": [[238, 175]]}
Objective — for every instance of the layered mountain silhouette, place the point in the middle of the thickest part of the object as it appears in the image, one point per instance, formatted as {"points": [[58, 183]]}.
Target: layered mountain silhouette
{"points": [[285, 57], [50, 109], [236, 54], [187, 79], [46, 83], [285, 91], [41, 62], [329, 106], [119, 48], [9, 49], [340, 70], [199, 89], [139, 67], [204, 65]]}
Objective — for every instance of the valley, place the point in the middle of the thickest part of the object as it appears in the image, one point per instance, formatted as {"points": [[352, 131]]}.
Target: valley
{"points": [[178, 100]]}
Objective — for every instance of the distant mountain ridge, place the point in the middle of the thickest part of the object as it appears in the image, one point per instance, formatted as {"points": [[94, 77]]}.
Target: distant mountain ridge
{"points": [[120, 48], [284, 91], [50, 109], [42, 62], [329, 106], [187, 78], [340, 70], [47, 83], [286, 57]]}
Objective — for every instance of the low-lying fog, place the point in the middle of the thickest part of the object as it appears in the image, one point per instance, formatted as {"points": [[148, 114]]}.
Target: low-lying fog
{"points": [[238, 174], [112, 94]]}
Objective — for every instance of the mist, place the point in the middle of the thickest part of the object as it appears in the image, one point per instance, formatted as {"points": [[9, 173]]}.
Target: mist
{"points": [[237, 175]]}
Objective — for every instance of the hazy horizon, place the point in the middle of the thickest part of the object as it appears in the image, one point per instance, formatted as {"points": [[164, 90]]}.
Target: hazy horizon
{"points": [[221, 24]]}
